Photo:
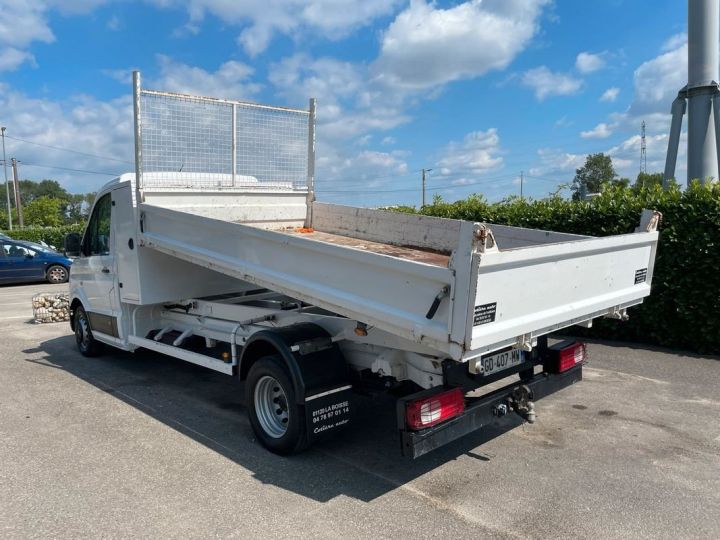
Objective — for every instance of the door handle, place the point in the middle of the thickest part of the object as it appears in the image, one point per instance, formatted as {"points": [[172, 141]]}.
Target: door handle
{"points": [[105, 270]]}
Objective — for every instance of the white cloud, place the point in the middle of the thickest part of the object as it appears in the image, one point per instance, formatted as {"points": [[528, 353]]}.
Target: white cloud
{"points": [[477, 154], [674, 42], [11, 58], [114, 23], [21, 24], [427, 46], [555, 162], [339, 170], [24, 22], [547, 83], [103, 128], [231, 80], [626, 155], [349, 104], [260, 20], [610, 94], [388, 140], [588, 62], [658, 81], [601, 131]]}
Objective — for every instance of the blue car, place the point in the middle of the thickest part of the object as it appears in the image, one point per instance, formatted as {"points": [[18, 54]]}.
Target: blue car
{"points": [[26, 261]]}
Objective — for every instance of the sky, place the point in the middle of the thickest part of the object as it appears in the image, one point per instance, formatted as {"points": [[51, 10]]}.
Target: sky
{"points": [[479, 91]]}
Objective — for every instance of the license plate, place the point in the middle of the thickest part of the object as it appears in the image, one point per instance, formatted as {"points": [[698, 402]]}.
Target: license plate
{"points": [[501, 361]]}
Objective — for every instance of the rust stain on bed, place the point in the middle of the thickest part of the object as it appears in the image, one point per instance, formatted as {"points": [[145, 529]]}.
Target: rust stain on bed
{"points": [[401, 252]]}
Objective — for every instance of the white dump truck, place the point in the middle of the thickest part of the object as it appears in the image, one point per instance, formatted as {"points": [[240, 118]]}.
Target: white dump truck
{"points": [[215, 251]]}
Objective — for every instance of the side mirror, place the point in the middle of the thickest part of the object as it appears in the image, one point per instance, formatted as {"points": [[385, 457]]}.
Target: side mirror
{"points": [[72, 245]]}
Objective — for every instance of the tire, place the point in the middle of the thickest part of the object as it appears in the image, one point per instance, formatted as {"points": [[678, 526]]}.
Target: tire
{"points": [[276, 419], [57, 274], [83, 335]]}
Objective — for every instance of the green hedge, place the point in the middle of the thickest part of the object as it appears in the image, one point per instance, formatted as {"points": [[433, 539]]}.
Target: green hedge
{"points": [[683, 310], [50, 235]]}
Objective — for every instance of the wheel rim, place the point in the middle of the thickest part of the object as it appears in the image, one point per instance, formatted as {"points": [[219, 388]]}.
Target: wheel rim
{"points": [[271, 406], [82, 331], [57, 274]]}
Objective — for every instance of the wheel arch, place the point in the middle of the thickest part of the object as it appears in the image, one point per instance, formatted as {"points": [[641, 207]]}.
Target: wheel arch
{"points": [[74, 304], [318, 367]]}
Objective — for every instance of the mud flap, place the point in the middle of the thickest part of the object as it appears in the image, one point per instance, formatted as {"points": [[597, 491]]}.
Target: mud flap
{"points": [[328, 412]]}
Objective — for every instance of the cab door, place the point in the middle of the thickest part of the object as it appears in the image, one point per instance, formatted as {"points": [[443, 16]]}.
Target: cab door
{"points": [[95, 269]]}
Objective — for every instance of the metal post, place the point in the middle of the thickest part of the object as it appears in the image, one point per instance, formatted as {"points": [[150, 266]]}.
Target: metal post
{"points": [[521, 184], [703, 75], [7, 184], [234, 143], [677, 110], [423, 188], [716, 118], [311, 163], [424, 172], [138, 137], [18, 198]]}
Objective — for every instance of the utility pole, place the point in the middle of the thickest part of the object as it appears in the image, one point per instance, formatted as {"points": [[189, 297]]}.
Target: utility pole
{"points": [[18, 200], [643, 149], [521, 184], [7, 184], [423, 184]]}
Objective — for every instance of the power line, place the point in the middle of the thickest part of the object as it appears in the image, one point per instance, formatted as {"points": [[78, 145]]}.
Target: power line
{"points": [[105, 173], [68, 150], [415, 189]]}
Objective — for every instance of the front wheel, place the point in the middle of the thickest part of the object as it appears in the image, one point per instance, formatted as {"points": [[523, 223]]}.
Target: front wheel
{"points": [[276, 418], [56, 274], [86, 343]]}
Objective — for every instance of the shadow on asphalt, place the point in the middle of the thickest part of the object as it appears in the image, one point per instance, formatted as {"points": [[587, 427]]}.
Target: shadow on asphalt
{"points": [[207, 407]]}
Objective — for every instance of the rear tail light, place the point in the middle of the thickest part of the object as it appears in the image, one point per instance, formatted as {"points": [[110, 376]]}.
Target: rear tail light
{"points": [[432, 410], [565, 355]]}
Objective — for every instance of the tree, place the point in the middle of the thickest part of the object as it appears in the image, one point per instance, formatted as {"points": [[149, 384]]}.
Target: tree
{"points": [[77, 207], [32, 190], [648, 179], [590, 178], [43, 212]]}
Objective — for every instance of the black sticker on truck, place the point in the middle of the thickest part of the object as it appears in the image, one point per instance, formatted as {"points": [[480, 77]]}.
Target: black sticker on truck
{"points": [[484, 314], [640, 276], [328, 411]]}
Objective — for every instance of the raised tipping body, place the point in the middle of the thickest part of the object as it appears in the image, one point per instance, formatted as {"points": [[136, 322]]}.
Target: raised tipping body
{"points": [[348, 263]]}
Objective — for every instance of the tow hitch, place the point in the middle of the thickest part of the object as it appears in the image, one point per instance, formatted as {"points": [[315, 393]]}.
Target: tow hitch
{"points": [[519, 401]]}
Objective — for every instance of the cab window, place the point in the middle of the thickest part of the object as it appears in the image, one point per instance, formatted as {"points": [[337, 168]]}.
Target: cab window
{"points": [[97, 235]]}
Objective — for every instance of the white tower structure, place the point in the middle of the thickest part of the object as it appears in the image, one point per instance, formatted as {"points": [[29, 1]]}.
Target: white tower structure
{"points": [[701, 96]]}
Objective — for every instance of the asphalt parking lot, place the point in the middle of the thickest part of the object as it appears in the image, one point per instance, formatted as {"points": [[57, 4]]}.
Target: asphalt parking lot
{"points": [[146, 446]]}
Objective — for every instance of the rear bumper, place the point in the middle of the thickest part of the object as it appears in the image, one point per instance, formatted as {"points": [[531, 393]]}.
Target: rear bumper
{"points": [[480, 413]]}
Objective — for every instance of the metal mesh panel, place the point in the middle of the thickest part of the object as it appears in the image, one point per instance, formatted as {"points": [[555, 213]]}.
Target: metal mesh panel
{"points": [[272, 145], [188, 141]]}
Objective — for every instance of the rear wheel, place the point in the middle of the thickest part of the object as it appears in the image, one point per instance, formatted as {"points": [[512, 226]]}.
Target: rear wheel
{"points": [[276, 418], [56, 274], [86, 343]]}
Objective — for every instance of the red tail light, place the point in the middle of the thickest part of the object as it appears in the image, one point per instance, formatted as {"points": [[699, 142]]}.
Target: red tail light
{"points": [[563, 356], [432, 410]]}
